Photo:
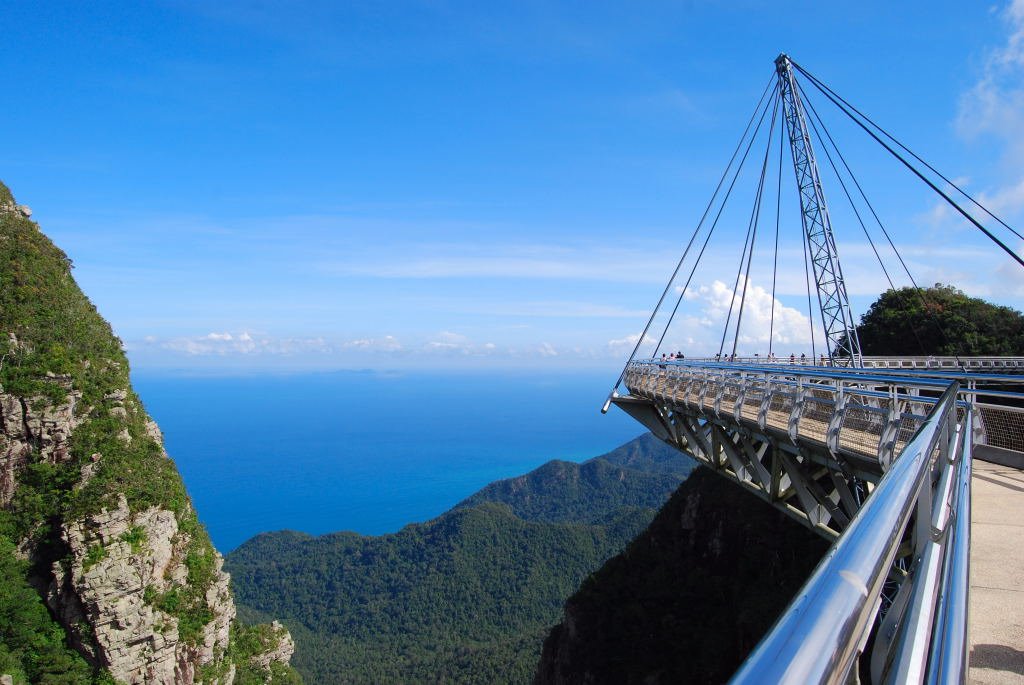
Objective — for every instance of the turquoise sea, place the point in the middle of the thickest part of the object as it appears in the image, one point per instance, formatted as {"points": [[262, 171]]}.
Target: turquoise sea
{"points": [[367, 451]]}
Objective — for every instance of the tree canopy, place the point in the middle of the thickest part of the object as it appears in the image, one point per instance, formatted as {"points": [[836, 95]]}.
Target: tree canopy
{"points": [[466, 597], [941, 320]]}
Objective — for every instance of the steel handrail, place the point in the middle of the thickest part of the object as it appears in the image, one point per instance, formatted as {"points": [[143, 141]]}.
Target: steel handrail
{"points": [[811, 368], [818, 638], [778, 380], [826, 373], [950, 646]]}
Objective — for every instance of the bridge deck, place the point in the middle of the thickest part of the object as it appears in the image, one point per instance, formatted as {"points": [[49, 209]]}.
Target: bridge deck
{"points": [[997, 574]]}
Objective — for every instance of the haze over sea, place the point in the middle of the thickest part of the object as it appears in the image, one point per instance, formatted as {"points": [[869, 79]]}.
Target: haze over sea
{"points": [[367, 451]]}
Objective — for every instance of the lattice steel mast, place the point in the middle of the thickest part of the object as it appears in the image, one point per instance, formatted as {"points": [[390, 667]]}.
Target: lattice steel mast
{"points": [[840, 329]]}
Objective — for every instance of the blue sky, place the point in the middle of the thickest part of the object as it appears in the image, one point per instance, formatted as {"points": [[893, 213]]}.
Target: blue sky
{"points": [[252, 186]]}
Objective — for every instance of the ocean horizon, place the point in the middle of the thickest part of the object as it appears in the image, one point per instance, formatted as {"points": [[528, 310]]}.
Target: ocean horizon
{"points": [[368, 452]]}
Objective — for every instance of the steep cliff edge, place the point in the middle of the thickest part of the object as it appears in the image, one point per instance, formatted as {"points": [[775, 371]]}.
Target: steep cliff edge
{"points": [[689, 597], [94, 519]]}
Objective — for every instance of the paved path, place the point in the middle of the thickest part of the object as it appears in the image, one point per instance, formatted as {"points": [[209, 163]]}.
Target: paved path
{"points": [[997, 574]]}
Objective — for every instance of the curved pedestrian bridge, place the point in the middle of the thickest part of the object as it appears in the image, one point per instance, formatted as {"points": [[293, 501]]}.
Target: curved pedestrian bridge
{"points": [[879, 459]]}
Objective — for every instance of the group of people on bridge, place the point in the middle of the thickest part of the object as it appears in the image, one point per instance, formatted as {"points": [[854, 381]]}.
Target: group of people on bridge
{"points": [[770, 358]]}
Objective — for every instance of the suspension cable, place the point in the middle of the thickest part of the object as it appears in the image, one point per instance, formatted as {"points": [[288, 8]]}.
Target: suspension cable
{"points": [[714, 225], [824, 90], [682, 259], [849, 198], [756, 219], [736, 285], [909, 151], [829, 140], [747, 242], [775, 259]]}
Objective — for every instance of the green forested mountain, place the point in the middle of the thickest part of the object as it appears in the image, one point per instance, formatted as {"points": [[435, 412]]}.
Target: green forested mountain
{"points": [[466, 597], [561, 491]]}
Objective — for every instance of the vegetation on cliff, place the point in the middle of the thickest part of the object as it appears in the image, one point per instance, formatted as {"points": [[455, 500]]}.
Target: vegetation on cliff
{"points": [[33, 648], [466, 597], [57, 351]]}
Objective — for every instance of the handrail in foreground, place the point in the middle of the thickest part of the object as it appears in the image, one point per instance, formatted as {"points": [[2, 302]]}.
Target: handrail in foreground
{"points": [[821, 635]]}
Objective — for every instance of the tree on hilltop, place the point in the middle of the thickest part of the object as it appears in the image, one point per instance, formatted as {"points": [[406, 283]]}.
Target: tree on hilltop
{"points": [[941, 320]]}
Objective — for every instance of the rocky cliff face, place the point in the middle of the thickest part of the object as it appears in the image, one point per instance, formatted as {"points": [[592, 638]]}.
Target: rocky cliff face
{"points": [[93, 503], [689, 597]]}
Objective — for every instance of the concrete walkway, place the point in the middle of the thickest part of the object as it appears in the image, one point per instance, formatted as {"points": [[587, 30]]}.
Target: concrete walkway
{"points": [[997, 574]]}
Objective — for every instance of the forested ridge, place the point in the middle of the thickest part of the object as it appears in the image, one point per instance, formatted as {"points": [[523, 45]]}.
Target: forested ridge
{"points": [[466, 597], [940, 320]]}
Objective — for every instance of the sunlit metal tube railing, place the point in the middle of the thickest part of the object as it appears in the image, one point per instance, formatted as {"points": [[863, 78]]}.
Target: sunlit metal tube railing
{"points": [[907, 661], [947, 664], [818, 638]]}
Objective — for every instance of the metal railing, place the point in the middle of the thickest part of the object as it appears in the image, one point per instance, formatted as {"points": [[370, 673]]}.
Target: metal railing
{"points": [[924, 498], [1002, 426], [997, 364], [870, 412], [859, 414]]}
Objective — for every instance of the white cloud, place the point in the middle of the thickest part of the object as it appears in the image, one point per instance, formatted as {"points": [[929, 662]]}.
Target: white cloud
{"points": [[1008, 200], [546, 350], [629, 342], [995, 104], [1011, 275], [244, 343], [387, 343], [450, 343], [700, 331]]}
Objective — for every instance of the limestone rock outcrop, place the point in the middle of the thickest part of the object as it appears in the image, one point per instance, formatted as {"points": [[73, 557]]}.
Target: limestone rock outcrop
{"points": [[120, 564], [90, 500], [278, 647], [34, 424]]}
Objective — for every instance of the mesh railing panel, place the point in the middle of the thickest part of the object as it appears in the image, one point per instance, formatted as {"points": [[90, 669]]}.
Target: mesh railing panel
{"points": [[710, 393], [908, 426], [861, 430], [814, 419], [779, 409], [729, 397], [752, 404], [1004, 427]]}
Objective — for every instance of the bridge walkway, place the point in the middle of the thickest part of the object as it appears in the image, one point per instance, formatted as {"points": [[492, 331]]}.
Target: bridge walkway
{"points": [[997, 575]]}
